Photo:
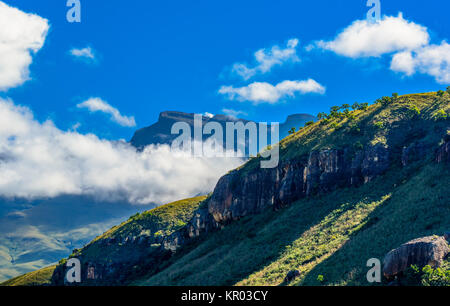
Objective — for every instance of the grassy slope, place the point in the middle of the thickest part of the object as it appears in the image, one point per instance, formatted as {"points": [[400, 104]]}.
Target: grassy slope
{"points": [[35, 278], [332, 235], [391, 124], [162, 220]]}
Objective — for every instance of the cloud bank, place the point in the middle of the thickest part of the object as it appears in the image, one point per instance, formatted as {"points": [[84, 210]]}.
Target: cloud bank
{"points": [[267, 59], [39, 160], [262, 92], [21, 35], [98, 105]]}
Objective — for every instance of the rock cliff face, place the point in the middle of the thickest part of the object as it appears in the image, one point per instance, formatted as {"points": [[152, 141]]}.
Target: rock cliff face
{"points": [[443, 153], [237, 195], [414, 152], [202, 222]]}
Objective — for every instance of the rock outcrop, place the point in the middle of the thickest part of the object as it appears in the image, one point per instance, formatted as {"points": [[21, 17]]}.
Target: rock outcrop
{"points": [[413, 152], [443, 152], [291, 275], [237, 194], [202, 222], [420, 252]]}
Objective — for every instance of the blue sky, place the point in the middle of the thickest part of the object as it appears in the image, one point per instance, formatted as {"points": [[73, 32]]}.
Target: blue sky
{"points": [[175, 55]]}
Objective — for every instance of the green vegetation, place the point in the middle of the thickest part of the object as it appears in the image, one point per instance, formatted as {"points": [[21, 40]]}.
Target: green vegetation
{"points": [[440, 115], [149, 225], [164, 220], [121, 244], [331, 235], [427, 276], [36, 278], [368, 125], [379, 124]]}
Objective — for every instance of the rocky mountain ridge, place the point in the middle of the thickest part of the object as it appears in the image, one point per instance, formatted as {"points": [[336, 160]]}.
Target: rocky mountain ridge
{"points": [[160, 132]]}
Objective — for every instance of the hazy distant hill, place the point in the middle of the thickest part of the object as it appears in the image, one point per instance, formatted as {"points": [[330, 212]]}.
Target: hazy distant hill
{"points": [[160, 132]]}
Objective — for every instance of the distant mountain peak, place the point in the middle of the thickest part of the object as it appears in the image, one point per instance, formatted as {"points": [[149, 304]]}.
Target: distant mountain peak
{"points": [[160, 132]]}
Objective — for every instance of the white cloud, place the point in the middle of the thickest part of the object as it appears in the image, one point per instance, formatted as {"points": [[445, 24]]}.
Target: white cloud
{"points": [[21, 35], [40, 160], [262, 92], [86, 53], [403, 62], [98, 105], [433, 60], [372, 39], [233, 113], [407, 42], [209, 115], [266, 59]]}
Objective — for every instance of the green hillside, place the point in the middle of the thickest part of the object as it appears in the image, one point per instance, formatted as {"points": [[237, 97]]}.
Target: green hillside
{"points": [[392, 121], [327, 236], [134, 247], [158, 222], [152, 224], [36, 278], [331, 235]]}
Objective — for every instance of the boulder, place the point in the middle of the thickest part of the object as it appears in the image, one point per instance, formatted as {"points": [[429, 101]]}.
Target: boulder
{"points": [[421, 252], [291, 275]]}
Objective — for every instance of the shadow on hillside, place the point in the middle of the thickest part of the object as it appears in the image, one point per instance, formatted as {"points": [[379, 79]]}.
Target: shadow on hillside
{"points": [[413, 211], [352, 256], [247, 246], [416, 210], [242, 248]]}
